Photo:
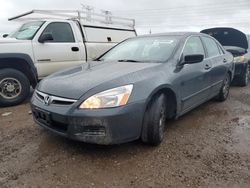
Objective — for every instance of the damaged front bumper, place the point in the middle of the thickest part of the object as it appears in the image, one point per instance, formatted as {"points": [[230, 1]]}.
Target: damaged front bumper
{"points": [[102, 126]]}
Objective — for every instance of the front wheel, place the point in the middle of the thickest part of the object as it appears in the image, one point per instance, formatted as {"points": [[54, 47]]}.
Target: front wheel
{"points": [[14, 87], [154, 121], [224, 91], [244, 78]]}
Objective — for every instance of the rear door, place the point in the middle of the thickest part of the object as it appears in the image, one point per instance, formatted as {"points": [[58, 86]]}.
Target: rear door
{"points": [[63, 52], [218, 64], [195, 82]]}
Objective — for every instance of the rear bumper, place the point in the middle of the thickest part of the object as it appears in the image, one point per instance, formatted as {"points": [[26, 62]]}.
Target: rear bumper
{"points": [[105, 127]]}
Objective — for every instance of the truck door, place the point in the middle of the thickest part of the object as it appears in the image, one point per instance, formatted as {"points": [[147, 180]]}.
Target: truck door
{"points": [[62, 50]]}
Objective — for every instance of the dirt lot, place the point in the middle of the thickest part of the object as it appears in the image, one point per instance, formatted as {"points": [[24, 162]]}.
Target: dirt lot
{"points": [[208, 147]]}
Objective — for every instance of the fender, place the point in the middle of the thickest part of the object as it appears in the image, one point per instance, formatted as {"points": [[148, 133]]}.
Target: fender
{"points": [[10, 60], [170, 88]]}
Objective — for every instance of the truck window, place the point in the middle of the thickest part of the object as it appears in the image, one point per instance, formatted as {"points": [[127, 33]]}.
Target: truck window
{"points": [[61, 32], [27, 31]]}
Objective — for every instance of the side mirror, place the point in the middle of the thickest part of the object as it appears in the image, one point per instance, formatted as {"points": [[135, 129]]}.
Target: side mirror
{"points": [[45, 37], [192, 59], [5, 35]]}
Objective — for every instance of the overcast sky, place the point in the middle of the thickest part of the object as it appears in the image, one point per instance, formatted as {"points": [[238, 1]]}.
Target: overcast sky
{"points": [[154, 15]]}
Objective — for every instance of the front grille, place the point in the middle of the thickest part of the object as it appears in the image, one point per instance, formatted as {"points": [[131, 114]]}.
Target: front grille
{"points": [[39, 96], [53, 99]]}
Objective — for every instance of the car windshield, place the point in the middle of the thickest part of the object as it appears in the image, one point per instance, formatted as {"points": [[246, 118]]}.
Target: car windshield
{"points": [[143, 49], [27, 31]]}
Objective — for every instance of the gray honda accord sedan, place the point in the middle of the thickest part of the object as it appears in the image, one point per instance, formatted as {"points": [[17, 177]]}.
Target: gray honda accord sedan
{"points": [[130, 91]]}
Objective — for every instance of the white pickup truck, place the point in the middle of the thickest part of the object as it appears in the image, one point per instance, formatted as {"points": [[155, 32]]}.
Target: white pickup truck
{"points": [[51, 41]]}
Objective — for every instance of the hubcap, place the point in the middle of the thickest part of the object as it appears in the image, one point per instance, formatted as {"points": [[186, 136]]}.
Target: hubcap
{"points": [[10, 88]]}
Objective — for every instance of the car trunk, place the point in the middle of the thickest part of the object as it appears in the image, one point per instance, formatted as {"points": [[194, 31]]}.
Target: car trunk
{"points": [[232, 39]]}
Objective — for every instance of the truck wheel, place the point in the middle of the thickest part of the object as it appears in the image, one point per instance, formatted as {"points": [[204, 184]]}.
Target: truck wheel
{"points": [[154, 121], [244, 79], [14, 87], [224, 91]]}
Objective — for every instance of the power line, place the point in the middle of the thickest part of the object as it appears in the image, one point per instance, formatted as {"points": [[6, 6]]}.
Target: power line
{"points": [[193, 25], [193, 7], [186, 18], [225, 10]]}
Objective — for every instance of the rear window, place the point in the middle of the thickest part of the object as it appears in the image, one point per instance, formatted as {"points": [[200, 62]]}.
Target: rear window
{"points": [[211, 46], [193, 46]]}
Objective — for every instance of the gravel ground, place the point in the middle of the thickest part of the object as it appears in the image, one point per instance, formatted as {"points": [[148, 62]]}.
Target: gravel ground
{"points": [[208, 147]]}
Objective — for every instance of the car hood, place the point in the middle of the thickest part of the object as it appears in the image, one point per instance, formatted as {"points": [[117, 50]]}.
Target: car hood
{"points": [[236, 51], [75, 82], [11, 40], [228, 36]]}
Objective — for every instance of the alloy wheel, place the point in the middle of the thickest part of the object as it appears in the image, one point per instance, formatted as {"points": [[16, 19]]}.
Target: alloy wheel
{"points": [[10, 88]]}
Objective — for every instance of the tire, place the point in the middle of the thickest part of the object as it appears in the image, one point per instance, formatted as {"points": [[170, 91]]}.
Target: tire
{"points": [[224, 91], [14, 87], [244, 78], [154, 121]]}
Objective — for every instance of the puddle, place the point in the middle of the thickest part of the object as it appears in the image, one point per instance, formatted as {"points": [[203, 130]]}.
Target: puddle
{"points": [[241, 135]]}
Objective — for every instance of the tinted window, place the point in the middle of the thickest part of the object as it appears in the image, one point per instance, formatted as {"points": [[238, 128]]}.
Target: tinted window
{"points": [[193, 46], [211, 46], [61, 32], [143, 49]]}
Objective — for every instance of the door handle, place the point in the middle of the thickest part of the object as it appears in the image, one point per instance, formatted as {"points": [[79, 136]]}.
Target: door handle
{"points": [[75, 49], [207, 67], [224, 60]]}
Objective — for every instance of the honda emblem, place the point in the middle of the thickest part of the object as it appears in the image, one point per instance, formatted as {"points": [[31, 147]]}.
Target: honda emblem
{"points": [[47, 100]]}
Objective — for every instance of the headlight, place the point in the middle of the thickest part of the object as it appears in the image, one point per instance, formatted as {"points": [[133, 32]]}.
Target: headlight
{"points": [[240, 59], [108, 99]]}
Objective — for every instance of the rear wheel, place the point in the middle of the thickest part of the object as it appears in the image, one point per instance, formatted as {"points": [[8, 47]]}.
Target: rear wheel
{"points": [[224, 91], [154, 121], [14, 87], [244, 78]]}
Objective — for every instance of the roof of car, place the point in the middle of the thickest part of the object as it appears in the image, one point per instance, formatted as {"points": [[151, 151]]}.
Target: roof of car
{"points": [[184, 34]]}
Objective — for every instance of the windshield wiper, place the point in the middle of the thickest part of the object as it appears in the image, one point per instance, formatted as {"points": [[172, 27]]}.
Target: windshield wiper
{"points": [[128, 60]]}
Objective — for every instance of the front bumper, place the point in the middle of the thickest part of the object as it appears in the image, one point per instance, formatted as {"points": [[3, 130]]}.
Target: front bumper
{"points": [[102, 126]]}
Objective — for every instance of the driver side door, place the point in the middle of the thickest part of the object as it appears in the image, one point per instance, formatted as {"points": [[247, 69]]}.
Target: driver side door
{"points": [[194, 81], [62, 52]]}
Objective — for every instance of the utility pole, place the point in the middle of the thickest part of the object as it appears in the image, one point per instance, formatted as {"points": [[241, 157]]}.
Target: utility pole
{"points": [[108, 16], [89, 10]]}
